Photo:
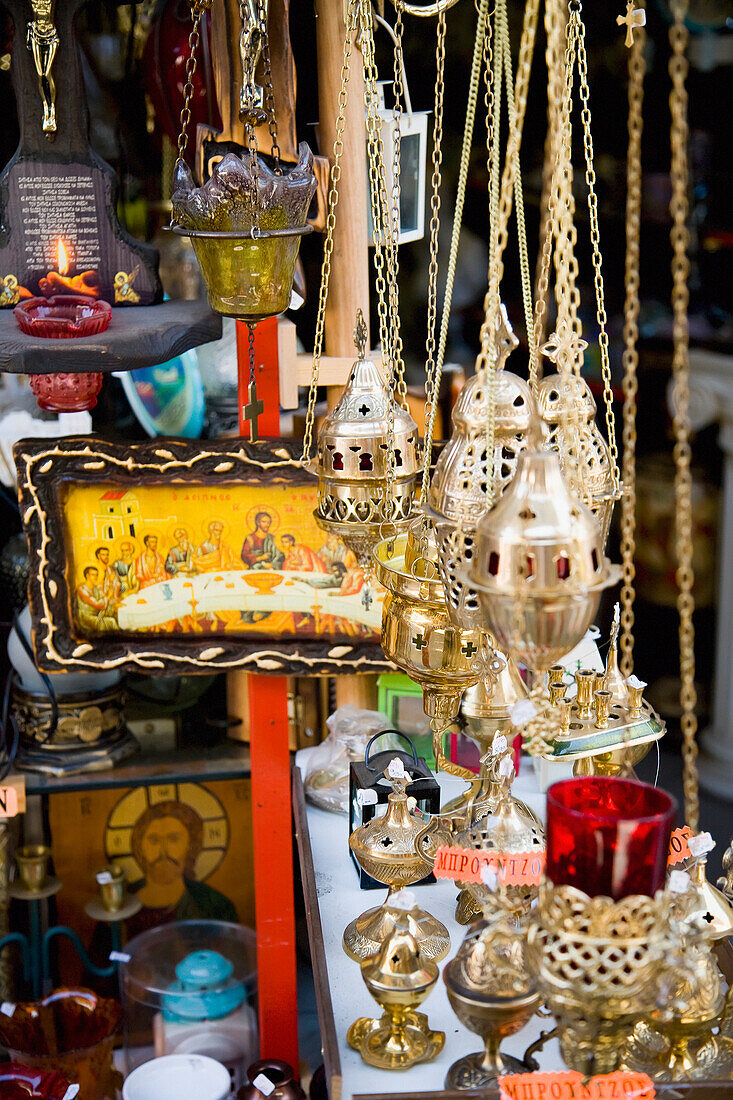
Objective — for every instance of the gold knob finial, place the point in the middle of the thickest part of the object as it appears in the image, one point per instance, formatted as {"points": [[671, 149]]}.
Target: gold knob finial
{"points": [[360, 335]]}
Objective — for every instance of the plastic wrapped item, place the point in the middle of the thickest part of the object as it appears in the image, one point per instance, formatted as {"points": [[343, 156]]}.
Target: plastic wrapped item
{"points": [[326, 777]]}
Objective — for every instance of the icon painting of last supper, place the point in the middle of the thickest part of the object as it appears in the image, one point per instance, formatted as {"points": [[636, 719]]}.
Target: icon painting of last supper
{"points": [[239, 559]]}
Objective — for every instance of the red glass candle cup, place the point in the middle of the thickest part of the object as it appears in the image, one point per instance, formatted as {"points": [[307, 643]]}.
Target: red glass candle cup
{"points": [[63, 316], [65, 393], [608, 836]]}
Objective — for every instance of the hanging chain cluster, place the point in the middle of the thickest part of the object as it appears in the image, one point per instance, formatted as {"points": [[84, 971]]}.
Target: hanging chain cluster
{"points": [[434, 232], [680, 239], [637, 69], [194, 39]]}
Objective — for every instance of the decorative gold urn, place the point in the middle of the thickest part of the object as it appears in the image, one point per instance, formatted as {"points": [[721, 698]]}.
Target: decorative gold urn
{"points": [[492, 994], [358, 492], [399, 978], [417, 632], [457, 496], [566, 405], [386, 848], [538, 565]]}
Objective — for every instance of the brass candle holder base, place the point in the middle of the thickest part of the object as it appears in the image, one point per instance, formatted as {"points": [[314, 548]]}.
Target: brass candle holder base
{"points": [[397, 1040], [683, 1058], [365, 935], [477, 1071]]}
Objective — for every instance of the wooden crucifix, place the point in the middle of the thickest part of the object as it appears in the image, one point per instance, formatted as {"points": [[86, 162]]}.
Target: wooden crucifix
{"points": [[57, 196]]}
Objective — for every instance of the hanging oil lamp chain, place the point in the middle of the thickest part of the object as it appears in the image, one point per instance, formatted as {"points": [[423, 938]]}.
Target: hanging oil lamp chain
{"points": [[434, 233], [680, 239], [332, 203], [637, 69], [433, 385]]}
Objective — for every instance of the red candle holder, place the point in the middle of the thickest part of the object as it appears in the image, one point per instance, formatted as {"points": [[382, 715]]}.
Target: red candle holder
{"points": [[62, 393], [63, 316], [608, 836]]}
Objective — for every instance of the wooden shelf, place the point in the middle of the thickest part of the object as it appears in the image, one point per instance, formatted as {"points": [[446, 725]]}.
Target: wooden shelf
{"points": [[227, 760]]}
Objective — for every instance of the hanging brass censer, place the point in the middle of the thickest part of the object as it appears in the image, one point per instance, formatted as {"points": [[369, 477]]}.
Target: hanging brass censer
{"points": [[367, 430], [538, 565], [417, 632], [565, 403], [458, 490], [399, 978], [386, 848]]}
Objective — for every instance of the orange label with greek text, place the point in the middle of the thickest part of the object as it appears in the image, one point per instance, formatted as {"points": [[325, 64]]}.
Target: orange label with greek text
{"points": [[468, 865], [570, 1085], [679, 849]]}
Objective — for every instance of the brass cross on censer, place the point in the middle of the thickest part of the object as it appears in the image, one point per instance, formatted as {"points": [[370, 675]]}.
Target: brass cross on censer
{"points": [[635, 17], [252, 410]]}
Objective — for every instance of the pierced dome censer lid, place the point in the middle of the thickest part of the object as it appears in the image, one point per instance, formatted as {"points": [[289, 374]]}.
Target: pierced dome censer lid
{"points": [[417, 633], [565, 403], [356, 494], [538, 565], [457, 496]]}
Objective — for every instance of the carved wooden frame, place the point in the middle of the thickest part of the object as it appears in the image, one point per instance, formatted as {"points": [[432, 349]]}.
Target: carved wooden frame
{"points": [[46, 466]]}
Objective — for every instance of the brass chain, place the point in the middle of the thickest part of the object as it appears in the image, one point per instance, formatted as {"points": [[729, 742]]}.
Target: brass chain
{"points": [[590, 179], [269, 91], [193, 44], [637, 69], [400, 384], [680, 239], [434, 387], [435, 207], [332, 204]]}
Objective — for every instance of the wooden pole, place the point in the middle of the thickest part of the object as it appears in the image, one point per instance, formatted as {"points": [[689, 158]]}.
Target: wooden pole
{"points": [[349, 286]]}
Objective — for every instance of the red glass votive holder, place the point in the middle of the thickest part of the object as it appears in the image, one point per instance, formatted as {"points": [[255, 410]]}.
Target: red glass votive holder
{"points": [[608, 836], [63, 316], [63, 393]]}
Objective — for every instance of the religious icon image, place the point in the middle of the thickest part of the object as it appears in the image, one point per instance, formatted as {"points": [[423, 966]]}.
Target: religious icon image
{"points": [[235, 559], [169, 841]]}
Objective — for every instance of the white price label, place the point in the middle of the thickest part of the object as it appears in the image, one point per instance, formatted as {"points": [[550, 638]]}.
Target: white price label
{"points": [[71, 1092], [104, 878], [498, 745], [263, 1084], [701, 844], [119, 957], [678, 882], [366, 797], [506, 768], [7, 1008], [396, 769]]}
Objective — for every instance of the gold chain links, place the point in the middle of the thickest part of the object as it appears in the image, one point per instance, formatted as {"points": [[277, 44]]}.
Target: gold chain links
{"points": [[637, 69], [590, 179], [193, 45], [434, 387], [333, 198], [400, 384], [680, 239], [435, 209]]}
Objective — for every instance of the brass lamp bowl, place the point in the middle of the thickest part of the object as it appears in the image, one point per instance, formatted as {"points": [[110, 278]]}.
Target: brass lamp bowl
{"points": [[493, 1018]]}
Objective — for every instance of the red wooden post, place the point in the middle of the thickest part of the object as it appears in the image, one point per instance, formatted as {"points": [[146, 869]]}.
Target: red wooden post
{"points": [[270, 757], [266, 376]]}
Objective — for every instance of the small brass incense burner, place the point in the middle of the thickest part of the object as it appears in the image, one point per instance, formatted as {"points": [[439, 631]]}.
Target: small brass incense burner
{"points": [[417, 632], [538, 565], [492, 994], [386, 848], [399, 979]]}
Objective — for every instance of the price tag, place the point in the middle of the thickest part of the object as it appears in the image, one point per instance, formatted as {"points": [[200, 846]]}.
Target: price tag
{"points": [[263, 1084], [366, 797], [396, 769], [701, 844], [7, 1008], [468, 865], [71, 1092], [570, 1085], [119, 957], [104, 878], [679, 848], [498, 745]]}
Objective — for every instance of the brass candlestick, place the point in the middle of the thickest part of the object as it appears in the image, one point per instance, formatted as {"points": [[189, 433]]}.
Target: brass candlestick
{"points": [[112, 887], [492, 994], [386, 848], [32, 861], [399, 979]]}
